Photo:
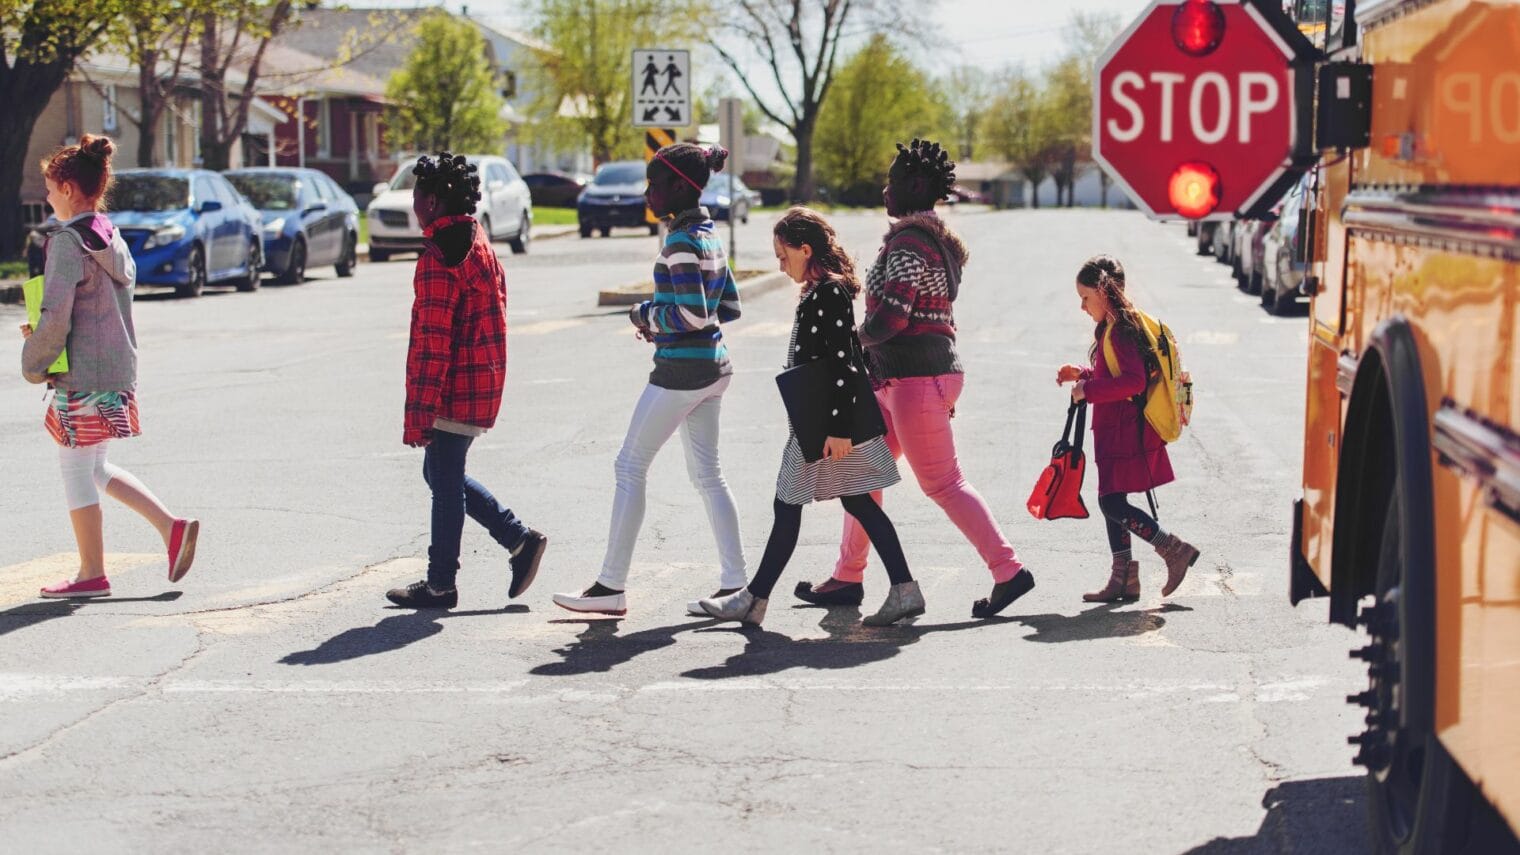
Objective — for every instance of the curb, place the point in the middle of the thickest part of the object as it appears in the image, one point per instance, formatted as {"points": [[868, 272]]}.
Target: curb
{"points": [[751, 287]]}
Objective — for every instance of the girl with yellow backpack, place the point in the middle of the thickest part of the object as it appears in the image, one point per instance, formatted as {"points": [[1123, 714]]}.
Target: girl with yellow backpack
{"points": [[1141, 398]]}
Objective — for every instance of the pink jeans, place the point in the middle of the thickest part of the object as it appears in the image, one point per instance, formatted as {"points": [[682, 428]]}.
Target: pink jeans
{"points": [[917, 411]]}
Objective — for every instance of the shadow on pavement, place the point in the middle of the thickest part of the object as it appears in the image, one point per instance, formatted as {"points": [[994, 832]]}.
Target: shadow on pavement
{"points": [[390, 634], [1104, 621], [1322, 815], [848, 645], [599, 648], [31, 614]]}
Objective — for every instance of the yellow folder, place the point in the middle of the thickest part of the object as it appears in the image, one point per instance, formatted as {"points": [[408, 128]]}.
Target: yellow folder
{"points": [[31, 289]]}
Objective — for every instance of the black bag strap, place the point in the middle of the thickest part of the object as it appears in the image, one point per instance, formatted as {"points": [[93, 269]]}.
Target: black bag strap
{"points": [[1076, 413]]}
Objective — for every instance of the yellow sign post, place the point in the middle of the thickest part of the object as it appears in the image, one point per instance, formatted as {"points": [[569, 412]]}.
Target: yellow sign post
{"points": [[654, 140]]}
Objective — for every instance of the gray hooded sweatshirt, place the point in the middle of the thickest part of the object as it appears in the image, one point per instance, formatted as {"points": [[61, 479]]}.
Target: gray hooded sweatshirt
{"points": [[87, 306]]}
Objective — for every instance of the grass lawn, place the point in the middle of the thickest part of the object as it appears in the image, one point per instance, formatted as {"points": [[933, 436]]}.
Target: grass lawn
{"points": [[554, 216], [13, 269], [363, 229]]}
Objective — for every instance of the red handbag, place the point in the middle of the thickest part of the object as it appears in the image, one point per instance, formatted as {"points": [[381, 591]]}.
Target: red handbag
{"points": [[1058, 493]]}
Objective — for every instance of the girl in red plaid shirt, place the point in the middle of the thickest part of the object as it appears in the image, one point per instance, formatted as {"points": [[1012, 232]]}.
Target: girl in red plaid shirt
{"points": [[456, 366]]}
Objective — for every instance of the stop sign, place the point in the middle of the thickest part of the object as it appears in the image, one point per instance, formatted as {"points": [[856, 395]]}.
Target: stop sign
{"points": [[1201, 109]]}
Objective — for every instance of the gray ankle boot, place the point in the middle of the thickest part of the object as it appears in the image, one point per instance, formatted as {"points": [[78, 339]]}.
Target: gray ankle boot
{"points": [[903, 601]]}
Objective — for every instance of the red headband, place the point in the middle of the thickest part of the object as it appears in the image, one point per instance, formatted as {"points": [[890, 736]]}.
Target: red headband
{"points": [[673, 168]]}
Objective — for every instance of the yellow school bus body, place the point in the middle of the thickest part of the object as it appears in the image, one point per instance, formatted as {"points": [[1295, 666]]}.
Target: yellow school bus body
{"points": [[1415, 283]]}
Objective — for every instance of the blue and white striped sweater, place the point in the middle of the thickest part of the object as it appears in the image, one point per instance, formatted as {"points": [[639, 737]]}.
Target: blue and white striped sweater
{"points": [[694, 292]]}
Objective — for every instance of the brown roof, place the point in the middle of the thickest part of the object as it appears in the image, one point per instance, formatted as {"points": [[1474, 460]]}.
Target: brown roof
{"points": [[372, 42]]}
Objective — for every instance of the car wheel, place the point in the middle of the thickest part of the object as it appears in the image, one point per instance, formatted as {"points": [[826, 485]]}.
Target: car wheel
{"points": [[606, 232], [379, 255], [1268, 295], [585, 231], [197, 267], [654, 229], [295, 272], [350, 257], [1283, 304], [519, 244], [1205, 240], [255, 261]]}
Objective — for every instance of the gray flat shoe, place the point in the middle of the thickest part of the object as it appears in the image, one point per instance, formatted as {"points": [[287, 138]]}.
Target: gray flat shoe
{"points": [[741, 606], [903, 601]]}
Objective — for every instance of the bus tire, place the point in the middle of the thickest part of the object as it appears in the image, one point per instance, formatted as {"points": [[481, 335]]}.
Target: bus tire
{"points": [[1419, 801]]}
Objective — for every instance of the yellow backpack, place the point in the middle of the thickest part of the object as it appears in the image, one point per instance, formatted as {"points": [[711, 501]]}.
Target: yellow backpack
{"points": [[1168, 397]]}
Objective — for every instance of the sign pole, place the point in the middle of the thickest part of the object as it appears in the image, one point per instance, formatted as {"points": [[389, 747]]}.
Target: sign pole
{"points": [[734, 115], [654, 140]]}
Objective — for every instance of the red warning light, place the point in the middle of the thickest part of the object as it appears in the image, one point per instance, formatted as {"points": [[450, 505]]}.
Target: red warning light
{"points": [[1194, 189], [1198, 27]]}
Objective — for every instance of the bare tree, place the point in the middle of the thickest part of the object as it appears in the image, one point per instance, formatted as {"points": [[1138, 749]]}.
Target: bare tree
{"points": [[223, 118], [799, 42]]}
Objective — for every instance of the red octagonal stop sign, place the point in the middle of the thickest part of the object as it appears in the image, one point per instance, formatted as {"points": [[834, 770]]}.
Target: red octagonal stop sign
{"points": [[1201, 109]]}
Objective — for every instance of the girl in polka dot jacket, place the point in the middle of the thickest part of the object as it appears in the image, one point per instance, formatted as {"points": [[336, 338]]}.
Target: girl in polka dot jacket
{"points": [[824, 330]]}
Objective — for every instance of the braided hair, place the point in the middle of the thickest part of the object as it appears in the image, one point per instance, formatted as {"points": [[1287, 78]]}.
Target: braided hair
{"points": [[696, 162], [921, 175], [451, 179], [801, 226], [1105, 273]]}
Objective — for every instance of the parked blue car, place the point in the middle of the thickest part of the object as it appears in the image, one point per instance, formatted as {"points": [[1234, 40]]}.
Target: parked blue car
{"points": [[309, 221], [187, 228]]}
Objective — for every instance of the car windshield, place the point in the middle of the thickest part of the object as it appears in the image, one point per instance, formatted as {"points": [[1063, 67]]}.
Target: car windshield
{"points": [[621, 173], [719, 183], [149, 193], [267, 191]]}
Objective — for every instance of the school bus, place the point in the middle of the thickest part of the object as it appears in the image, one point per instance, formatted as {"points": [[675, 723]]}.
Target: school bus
{"points": [[1409, 519]]}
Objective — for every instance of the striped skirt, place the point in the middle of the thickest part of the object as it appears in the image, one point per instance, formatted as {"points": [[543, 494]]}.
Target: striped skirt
{"points": [[867, 468], [81, 419]]}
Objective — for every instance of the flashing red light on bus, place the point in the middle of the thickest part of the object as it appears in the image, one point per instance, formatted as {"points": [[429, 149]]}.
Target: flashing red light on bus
{"points": [[1194, 189], [1198, 27]]}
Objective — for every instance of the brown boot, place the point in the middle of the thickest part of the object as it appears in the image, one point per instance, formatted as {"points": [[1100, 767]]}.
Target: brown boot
{"points": [[1123, 584], [1179, 555]]}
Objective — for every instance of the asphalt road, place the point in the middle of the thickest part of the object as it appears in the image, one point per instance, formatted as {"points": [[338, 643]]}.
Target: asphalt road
{"points": [[274, 702]]}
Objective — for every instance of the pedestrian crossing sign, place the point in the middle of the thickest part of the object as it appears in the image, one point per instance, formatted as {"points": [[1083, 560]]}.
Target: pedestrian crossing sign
{"points": [[661, 88]]}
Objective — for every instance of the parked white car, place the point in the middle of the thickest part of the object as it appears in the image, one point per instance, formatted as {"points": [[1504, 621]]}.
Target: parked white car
{"points": [[505, 211]]}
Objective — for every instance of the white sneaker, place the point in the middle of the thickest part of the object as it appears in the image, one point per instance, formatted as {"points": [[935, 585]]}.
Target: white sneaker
{"points": [[611, 604]]}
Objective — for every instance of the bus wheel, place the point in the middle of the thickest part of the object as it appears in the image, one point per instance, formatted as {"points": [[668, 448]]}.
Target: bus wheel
{"points": [[1419, 800]]}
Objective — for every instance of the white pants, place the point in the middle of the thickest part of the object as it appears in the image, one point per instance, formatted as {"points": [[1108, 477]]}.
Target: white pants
{"points": [[85, 474], [660, 412]]}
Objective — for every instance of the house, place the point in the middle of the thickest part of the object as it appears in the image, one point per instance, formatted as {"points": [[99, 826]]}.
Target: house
{"points": [[331, 119], [103, 96], [371, 44], [999, 181]]}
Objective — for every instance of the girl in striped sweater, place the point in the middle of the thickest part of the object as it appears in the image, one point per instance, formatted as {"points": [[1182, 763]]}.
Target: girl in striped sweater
{"points": [[693, 293]]}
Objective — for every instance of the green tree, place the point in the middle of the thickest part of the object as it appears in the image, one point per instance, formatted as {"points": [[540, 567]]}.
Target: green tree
{"points": [[445, 96], [581, 81], [879, 98], [1020, 129], [40, 41], [1068, 101], [968, 91]]}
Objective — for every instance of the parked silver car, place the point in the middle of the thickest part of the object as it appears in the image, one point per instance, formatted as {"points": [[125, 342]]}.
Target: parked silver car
{"points": [[1282, 275]]}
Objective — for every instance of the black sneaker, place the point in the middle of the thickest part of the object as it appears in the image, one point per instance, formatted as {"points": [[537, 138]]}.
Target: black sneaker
{"points": [[525, 562], [843, 595], [420, 595], [1003, 594]]}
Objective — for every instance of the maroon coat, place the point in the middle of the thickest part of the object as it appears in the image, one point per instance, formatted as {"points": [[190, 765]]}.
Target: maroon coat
{"points": [[1115, 416]]}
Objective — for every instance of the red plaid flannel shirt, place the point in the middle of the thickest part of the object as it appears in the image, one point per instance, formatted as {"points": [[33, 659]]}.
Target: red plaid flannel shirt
{"points": [[456, 363]]}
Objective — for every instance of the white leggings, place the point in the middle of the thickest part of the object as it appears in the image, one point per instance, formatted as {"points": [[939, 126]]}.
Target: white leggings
{"points": [[659, 414], [85, 474]]}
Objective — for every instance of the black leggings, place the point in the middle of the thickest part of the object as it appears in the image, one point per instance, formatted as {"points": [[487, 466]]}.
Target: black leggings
{"points": [[1122, 519], [788, 525]]}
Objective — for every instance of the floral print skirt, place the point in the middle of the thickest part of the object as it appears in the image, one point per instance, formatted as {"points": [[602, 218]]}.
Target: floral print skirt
{"points": [[81, 419]]}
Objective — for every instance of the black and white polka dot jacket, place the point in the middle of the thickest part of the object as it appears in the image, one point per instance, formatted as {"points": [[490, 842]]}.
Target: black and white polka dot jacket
{"points": [[825, 329]]}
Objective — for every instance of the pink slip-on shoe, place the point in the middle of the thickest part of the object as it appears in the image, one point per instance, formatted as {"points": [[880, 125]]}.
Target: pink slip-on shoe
{"points": [[182, 537], [100, 586]]}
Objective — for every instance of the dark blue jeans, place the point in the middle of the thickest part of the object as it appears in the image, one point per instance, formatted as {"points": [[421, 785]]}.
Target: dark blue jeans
{"points": [[454, 495]]}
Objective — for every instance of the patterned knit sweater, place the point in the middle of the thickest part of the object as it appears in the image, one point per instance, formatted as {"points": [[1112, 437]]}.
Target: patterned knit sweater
{"points": [[909, 326], [693, 292]]}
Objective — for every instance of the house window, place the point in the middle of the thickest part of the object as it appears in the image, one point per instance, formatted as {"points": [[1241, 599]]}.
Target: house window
{"points": [[108, 99], [324, 128], [508, 84]]}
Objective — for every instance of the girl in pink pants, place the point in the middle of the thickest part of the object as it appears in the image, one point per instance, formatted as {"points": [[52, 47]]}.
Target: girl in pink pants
{"points": [[909, 334]]}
